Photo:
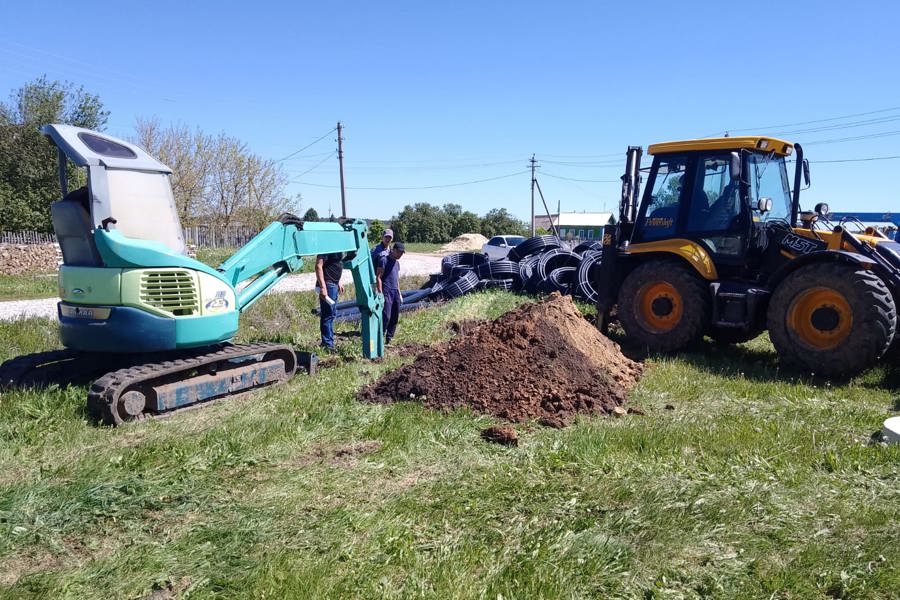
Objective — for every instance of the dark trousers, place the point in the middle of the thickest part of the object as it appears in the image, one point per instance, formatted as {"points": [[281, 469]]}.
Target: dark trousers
{"points": [[326, 318], [391, 313]]}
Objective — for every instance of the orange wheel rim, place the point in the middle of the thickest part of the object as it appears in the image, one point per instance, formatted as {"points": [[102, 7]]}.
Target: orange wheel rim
{"points": [[659, 307], [821, 318]]}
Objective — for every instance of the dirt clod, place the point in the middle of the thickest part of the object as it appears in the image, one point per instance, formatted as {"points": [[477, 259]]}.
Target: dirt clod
{"points": [[501, 434], [540, 361]]}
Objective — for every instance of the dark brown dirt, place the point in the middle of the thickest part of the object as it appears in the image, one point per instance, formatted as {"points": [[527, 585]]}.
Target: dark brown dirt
{"points": [[501, 434], [541, 361]]}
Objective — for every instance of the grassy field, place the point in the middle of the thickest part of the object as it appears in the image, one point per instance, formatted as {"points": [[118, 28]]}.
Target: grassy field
{"points": [[741, 481], [28, 286]]}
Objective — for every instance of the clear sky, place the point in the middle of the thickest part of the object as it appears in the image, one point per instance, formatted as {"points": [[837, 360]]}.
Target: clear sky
{"points": [[435, 94]]}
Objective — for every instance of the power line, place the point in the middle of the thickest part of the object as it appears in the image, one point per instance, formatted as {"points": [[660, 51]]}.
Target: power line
{"points": [[862, 114], [307, 146], [581, 180], [845, 160], [426, 187], [314, 167]]}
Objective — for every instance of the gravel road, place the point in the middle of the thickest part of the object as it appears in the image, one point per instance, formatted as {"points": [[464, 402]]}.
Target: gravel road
{"points": [[411, 264]]}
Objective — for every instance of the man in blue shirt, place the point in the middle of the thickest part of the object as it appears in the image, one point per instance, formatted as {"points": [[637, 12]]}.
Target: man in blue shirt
{"points": [[383, 248], [388, 283]]}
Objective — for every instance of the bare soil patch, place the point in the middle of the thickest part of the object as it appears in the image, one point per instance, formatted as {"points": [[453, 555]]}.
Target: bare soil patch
{"points": [[540, 361]]}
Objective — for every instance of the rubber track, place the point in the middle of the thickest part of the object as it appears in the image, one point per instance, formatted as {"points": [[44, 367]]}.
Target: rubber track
{"points": [[13, 370], [105, 391]]}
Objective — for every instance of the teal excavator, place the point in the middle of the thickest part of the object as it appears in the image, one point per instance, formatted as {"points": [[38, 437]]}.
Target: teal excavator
{"points": [[149, 326]]}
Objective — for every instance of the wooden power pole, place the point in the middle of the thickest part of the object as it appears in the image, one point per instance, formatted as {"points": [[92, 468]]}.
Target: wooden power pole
{"points": [[341, 166], [533, 163]]}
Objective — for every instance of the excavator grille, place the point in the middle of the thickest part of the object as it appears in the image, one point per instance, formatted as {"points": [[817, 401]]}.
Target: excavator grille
{"points": [[172, 291]]}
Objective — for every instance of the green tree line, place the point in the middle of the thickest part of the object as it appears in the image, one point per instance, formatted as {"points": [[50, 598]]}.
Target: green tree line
{"points": [[424, 222]]}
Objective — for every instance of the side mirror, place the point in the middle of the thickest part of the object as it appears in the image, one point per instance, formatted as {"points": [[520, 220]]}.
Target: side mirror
{"points": [[806, 171], [504, 246], [735, 166], [821, 209], [764, 205]]}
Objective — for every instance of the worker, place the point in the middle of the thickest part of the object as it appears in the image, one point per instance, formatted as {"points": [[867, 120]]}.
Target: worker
{"points": [[329, 287], [383, 248], [388, 283]]}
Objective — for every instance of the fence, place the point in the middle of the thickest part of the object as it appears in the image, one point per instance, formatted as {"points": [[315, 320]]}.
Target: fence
{"points": [[26, 237], [204, 236], [218, 237]]}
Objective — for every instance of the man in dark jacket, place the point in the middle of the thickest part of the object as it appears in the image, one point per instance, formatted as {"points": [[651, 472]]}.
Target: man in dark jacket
{"points": [[329, 286], [388, 283]]}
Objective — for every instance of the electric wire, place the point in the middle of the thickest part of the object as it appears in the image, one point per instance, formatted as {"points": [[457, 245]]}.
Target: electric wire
{"points": [[330, 131], [426, 187]]}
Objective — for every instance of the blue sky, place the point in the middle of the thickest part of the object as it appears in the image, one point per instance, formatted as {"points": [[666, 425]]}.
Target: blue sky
{"points": [[436, 94]]}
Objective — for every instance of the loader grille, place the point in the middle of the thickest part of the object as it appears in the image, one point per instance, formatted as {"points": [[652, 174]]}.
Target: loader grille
{"points": [[172, 291]]}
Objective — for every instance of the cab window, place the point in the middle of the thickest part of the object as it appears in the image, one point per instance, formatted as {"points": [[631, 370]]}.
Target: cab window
{"points": [[715, 201], [768, 179], [661, 211]]}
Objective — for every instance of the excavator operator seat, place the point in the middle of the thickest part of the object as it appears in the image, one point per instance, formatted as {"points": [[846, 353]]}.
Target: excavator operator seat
{"points": [[74, 232]]}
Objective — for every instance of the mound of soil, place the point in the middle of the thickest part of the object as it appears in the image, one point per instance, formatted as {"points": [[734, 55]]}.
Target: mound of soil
{"points": [[465, 243], [541, 361]]}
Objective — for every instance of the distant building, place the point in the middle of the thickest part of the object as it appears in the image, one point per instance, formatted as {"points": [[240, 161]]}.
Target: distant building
{"points": [[887, 223], [576, 226]]}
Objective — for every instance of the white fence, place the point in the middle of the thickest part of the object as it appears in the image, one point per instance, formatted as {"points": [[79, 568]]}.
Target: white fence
{"points": [[202, 237]]}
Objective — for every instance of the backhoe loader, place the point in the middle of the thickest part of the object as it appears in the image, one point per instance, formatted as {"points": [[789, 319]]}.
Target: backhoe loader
{"points": [[718, 246]]}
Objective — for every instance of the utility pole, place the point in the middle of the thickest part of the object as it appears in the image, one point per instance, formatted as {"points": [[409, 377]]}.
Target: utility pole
{"points": [[533, 181], [341, 164]]}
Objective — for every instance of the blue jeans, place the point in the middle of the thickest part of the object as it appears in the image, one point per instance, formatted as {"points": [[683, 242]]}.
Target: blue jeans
{"points": [[326, 320], [391, 313]]}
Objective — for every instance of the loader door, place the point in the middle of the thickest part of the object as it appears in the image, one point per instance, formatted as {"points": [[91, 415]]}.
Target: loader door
{"points": [[716, 216]]}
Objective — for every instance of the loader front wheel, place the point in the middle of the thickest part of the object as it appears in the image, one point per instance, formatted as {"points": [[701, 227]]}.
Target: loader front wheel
{"points": [[663, 306], [834, 319]]}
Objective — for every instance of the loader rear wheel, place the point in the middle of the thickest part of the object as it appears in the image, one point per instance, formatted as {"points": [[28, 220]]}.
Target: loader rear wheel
{"points": [[663, 306], [832, 318]]}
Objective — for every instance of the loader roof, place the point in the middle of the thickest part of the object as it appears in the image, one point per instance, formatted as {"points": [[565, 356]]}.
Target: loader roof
{"points": [[748, 142]]}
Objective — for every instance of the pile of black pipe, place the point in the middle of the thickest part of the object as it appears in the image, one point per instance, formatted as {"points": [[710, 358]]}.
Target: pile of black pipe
{"points": [[539, 265]]}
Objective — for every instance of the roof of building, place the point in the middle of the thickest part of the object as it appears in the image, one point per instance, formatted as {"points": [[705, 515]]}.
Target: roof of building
{"points": [[579, 219]]}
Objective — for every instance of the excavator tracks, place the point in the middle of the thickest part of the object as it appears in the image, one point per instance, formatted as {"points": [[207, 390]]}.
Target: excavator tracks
{"points": [[154, 388], [142, 385]]}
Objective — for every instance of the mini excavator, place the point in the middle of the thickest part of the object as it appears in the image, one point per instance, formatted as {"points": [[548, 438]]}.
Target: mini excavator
{"points": [[147, 324]]}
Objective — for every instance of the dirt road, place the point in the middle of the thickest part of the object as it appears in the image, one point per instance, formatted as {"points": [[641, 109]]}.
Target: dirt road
{"points": [[411, 264]]}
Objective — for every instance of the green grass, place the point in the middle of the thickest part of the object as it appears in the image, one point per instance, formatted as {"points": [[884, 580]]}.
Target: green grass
{"points": [[27, 286], [760, 483], [421, 247]]}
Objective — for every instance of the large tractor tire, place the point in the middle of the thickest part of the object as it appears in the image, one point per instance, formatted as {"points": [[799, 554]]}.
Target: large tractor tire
{"points": [[663, 306], [834, 319]]}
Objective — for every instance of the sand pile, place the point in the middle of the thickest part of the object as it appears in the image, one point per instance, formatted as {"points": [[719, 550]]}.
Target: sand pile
{"points": [[465, 243], [541, 361]]}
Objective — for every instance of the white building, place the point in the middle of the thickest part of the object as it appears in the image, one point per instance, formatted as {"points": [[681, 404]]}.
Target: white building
{"points": [[581, 226]]}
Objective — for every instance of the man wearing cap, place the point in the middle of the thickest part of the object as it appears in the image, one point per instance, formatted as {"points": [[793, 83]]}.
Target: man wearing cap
{"points": [[383, 248], [388, 283]]}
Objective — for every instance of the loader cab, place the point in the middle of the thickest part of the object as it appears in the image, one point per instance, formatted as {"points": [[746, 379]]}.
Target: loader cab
{"points": [[126, 189], [715, 193]]}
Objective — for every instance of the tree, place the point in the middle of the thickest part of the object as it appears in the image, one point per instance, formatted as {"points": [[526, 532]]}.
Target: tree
{"points": [[421, 222], [376, 231], [499, 222], [461, 221], [216, 179], [311, 215], [29, 180]]}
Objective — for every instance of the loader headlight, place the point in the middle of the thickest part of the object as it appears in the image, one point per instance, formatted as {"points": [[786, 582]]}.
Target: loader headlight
{"points": [[762, 144]]}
